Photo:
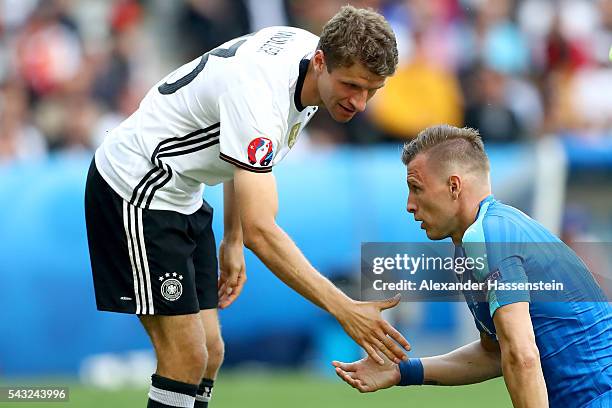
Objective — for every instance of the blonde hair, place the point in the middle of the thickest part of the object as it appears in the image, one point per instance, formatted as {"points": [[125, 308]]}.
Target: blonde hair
{"points": [[359, 35], [447, 145]]}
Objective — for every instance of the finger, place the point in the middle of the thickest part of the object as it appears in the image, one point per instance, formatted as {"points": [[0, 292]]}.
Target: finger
{"points": [[359, 385], [233, 293], [228, 300], [354, 376], [395, 335], [372, 353], [225, 299], [222, 288], [362, 387], [346, 378], [225, 290], [389, 303], [397, 352], [380, 346], [239, 285], [345, 366]]}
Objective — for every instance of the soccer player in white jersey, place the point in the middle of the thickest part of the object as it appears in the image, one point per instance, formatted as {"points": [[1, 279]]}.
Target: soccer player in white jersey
{"points": [[227, 117]]}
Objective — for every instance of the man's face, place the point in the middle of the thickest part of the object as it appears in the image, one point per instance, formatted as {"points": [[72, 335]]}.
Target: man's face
{"points": [[430, 199], [345, 90]]}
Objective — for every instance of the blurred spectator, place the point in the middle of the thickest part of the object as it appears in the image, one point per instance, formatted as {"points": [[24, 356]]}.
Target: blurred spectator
{"points": [[48, 49], [114, 70], [514, 69], [266, 13], [311, 15], [205, 24], [420, 94], [489, 112], [19, 140]]}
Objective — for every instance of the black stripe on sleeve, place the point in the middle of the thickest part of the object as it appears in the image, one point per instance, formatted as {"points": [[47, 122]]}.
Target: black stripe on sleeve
{"points": [[244, 166], [182, 138]]}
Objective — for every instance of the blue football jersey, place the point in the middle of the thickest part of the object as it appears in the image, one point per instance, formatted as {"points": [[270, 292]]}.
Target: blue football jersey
{"points": [[572, 325]]}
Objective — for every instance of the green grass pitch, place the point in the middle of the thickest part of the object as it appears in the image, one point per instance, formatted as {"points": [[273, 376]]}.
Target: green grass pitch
{"points": [[294, 390]]}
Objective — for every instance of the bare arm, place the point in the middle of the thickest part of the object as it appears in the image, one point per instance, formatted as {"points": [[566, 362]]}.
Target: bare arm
{"points": [[520, 356], [231, 255], [473, 363], [232, 228], [257, 200]]}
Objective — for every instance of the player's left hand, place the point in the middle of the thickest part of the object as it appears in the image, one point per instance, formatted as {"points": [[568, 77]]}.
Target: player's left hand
{"points": [[367, 375], [233, 273]]}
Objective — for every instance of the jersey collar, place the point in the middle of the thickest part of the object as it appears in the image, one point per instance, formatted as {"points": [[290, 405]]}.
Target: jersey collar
{"points": [[487, 200], [297, 100]]}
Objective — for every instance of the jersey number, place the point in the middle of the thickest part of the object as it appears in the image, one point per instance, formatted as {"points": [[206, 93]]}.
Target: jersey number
{"points": [[167, 89]]}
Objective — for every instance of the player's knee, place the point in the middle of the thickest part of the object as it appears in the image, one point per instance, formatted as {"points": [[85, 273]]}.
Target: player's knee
{"points": [[216, 351], [185, 364], [194, 361]]}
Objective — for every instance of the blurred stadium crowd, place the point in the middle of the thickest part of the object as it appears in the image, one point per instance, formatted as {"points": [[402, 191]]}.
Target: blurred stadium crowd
{"points": [[71, 70]]}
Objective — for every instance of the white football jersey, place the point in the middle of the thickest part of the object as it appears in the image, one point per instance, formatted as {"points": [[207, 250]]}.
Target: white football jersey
{"points": [[236, 106]]}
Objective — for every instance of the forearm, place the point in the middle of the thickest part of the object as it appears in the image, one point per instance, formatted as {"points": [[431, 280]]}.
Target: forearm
{"points": [[525, 382], [278, 252], [232, 227], [469, 364], [520, 357]]}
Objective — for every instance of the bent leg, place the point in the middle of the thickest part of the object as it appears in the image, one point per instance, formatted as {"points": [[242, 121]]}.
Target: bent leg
{"points": [[216, 352], [180, 347]]}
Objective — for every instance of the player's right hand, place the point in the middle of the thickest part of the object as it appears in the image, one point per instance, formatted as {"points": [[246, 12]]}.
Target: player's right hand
{"points": [[364, 323], [366, 375]]}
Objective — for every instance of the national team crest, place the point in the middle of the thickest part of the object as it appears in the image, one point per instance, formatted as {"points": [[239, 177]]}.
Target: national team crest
{"points": [[171, 287], [260, 151]]}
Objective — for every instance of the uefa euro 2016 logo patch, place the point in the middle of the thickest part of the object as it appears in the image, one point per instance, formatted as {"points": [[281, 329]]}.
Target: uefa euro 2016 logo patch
{"points": [[171, 288], [260, 150]]}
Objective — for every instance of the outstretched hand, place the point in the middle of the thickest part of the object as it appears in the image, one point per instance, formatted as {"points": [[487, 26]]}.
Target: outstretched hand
{"points": [[366, 375], [364, 323]]}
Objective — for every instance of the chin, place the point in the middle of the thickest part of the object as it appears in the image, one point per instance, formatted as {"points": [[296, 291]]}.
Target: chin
{"points": [[341, 118], [433, 236]]}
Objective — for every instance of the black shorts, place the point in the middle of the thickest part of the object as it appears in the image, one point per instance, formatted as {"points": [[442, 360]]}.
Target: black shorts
{"points": [[149, 262]]}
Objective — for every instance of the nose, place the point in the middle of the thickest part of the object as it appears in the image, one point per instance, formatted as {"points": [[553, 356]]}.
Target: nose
{"points": [[410, 205], [359, 100]]}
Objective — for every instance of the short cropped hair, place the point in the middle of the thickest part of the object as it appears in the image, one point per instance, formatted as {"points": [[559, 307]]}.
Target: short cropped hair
{"points": [[359, 35], [447, 145]]}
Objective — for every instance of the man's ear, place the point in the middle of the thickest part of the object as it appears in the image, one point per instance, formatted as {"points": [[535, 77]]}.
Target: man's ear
{"points": [[454, 186], [318, 61]]}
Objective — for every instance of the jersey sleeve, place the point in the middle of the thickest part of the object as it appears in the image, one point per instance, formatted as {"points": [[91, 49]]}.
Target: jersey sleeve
{"points": [[250, 129], [505, 262]]}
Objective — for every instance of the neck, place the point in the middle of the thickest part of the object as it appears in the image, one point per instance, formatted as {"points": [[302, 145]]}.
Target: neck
{"points": [[310, 93], [468, 215]]}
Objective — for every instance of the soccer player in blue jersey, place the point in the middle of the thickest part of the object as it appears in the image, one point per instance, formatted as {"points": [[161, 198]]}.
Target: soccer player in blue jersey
{"points": [[554, 353]]}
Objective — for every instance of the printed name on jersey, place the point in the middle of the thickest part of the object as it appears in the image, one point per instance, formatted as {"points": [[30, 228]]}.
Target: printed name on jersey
{"points": [[277, 42], [161, 156], [260, 151]]}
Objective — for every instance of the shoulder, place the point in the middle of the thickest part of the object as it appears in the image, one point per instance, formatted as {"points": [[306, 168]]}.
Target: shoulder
{"points": [[504, 223]]}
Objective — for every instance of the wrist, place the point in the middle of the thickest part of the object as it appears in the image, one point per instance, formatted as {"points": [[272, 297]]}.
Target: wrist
{"points": [[411, 372], [340, 307], [232, 239], [397, 376]]}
